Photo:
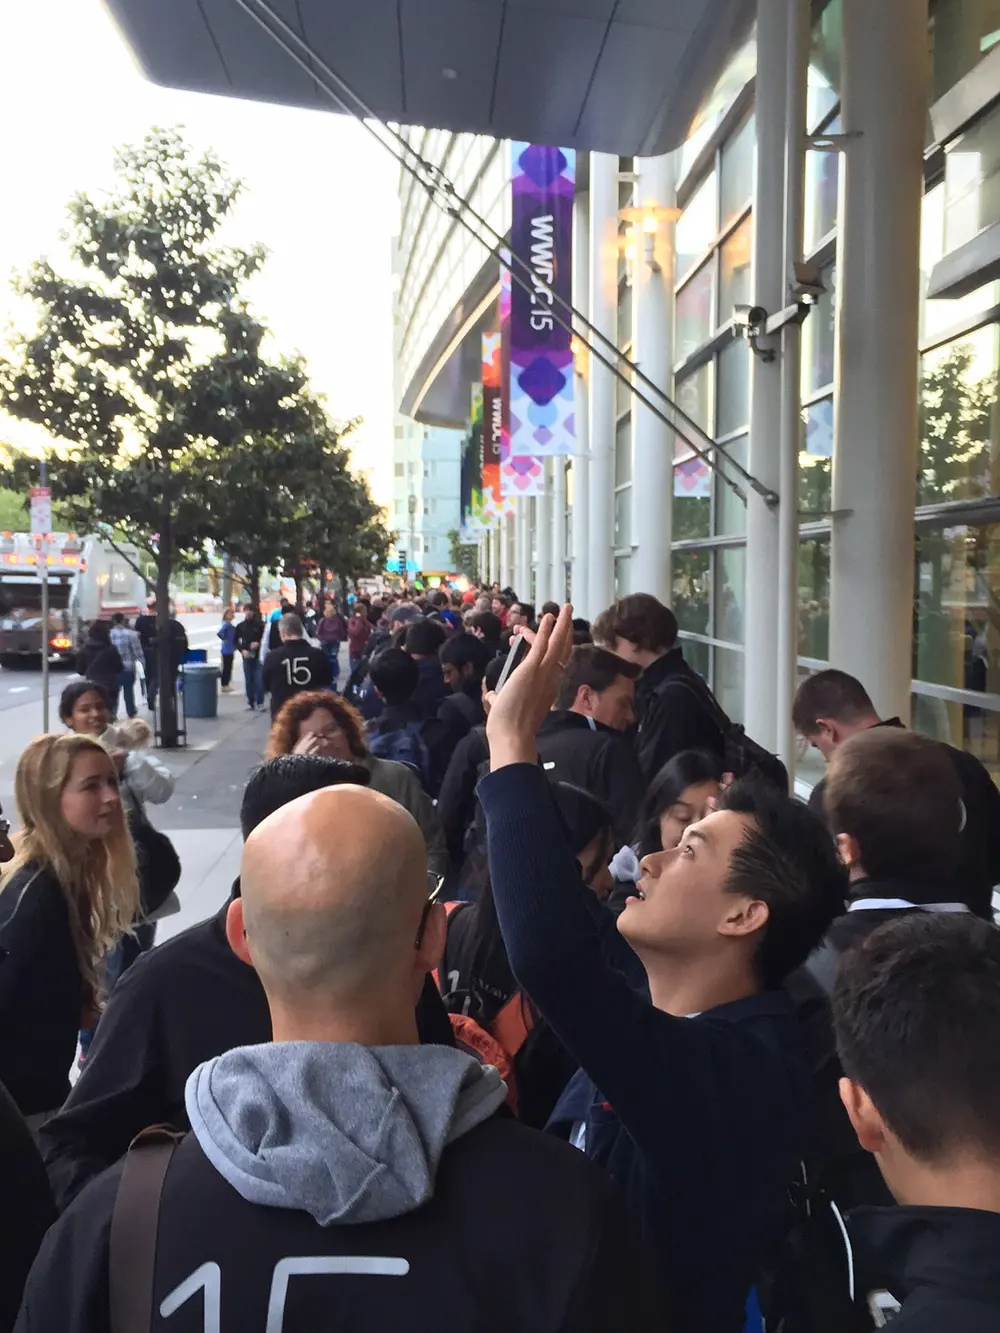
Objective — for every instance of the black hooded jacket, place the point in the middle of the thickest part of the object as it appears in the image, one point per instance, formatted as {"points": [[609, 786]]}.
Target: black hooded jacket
{"points": [[576, 749], [941, 1264], [182, 1003]]}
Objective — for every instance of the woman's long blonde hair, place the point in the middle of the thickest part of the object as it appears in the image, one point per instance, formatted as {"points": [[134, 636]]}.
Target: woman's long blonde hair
{"points": [[97, 876]]}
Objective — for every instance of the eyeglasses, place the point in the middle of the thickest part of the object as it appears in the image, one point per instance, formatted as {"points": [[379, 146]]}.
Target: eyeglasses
{"points": [[435, 884]]}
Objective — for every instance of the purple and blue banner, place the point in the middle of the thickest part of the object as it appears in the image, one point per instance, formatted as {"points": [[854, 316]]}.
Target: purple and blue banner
{"points": [[518, 476], [541, 357]]}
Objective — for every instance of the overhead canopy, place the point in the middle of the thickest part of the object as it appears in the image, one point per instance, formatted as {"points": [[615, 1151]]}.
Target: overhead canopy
{"points": [[619, 76]]}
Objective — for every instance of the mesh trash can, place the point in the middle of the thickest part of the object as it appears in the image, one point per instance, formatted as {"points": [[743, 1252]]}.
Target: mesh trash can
{"points": [[201, 692]]}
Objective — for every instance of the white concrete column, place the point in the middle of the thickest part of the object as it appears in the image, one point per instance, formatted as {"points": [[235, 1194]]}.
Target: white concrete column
{"points": [[557, 545], [762, 562], [522, 549], [885, 73], [653, 351], [505, 563], [543, 535], [604, 315], [581, 459]]}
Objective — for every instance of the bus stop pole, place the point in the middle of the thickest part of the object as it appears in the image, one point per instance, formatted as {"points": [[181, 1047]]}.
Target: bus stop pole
{"points": [[44, 556]]}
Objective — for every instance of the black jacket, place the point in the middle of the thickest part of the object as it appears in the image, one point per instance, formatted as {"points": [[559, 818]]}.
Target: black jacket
{"points": [[681, 1099], [26, 1207], [462, 710], [186, 1001], [249, 636], [672, 715], [42, 991], [101, 663], [521, 1236], [294, 667], [941, 1264], [979, 869], [576, 749], [456, 805]]}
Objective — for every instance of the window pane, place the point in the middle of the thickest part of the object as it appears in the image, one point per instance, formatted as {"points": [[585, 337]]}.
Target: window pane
{"points": [[959, 449], [822, 182], [623, 451], [819, 338], [730, 510], [623, 517], [698, 657], [697, 226], [962, 32], [625, 313], [938, 315], [728, 682], [957, 639], [694, 394], [694, 310], [692, 477], [733, 406], [739, 156], [692, 599], [816, 458], [814, 599], [623, 396], [621, 576], [972, 182], [730, 592], [734, 271], [824, 64]]}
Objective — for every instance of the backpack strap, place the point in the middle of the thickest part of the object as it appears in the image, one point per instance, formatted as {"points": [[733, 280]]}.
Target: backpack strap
{"points": [[513, 1024], [134, 1226]]}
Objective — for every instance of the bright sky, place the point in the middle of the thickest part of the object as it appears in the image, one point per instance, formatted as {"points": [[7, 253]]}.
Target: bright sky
{"points": [[320, 194]]}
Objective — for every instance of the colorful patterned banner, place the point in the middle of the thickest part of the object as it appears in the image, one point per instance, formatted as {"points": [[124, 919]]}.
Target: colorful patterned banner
{"points": [[541, 359], [518, 476], [472, 474], [493, 504]]}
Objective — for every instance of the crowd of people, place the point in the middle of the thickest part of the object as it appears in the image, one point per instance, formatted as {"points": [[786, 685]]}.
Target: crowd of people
{"points": [[539, 1003]]}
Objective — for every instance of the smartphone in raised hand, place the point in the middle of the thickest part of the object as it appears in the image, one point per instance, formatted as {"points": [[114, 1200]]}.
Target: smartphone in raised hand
{"points": [[519, 649]]}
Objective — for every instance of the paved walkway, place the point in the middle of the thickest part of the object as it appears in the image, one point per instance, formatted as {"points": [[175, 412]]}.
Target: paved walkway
{"points": [[203, 816]]}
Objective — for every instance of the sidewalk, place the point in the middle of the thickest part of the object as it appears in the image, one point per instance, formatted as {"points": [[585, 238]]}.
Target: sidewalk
{"points": [[203, 816]]}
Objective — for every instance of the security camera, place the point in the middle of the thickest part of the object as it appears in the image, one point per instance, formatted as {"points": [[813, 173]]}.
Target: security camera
{"points": [[808, 285], [749, 319]]}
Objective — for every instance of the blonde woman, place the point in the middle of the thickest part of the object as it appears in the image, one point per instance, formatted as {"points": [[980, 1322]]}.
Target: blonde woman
{"points": [[67, 897]]}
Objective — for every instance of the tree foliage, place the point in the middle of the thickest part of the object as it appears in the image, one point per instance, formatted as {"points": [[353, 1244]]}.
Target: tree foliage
{"points": [[147, 367]]}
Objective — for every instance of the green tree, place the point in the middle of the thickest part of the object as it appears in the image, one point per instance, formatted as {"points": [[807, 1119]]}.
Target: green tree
{"points": [[464, 559], [958, 427], [128, 363]]}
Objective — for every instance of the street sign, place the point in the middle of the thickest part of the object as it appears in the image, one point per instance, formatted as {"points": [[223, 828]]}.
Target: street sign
{"points": [[41, 510]]}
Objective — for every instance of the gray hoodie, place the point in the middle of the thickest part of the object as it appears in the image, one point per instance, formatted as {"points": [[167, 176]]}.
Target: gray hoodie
{"points": [[346, 1133]]}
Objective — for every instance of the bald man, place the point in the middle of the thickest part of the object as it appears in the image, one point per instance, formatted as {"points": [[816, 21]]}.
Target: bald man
{"points": [[187, 1000], [345, 1151]]}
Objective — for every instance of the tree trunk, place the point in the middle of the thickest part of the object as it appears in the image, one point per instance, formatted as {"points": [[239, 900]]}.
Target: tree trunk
{"points": [[298, 589], [169, 734], [253, 584]]}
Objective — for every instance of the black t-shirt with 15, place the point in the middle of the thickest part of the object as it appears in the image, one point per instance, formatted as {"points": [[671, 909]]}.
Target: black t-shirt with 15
{"points": [[292, 668]]}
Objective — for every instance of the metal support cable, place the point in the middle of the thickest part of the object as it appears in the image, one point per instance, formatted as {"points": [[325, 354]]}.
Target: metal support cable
{"points": [[443, 192]]}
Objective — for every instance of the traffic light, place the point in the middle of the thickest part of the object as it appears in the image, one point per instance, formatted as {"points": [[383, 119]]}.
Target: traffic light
{"points": [[402, 562]]}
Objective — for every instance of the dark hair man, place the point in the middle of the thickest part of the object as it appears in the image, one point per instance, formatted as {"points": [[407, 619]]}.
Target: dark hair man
{"points": [[403, 731], [469, 761], [463, 660], [832, 706], [295, 666], [185, 1001], [582, 740], [549, 609], [709, 1086], [675, 708], [894, 806], [916, 1010], [488, 627], [423, 641], [521, 615], [346, 1141]]}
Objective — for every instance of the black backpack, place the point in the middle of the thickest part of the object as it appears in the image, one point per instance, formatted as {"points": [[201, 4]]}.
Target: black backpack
{"points": [[741, 755], [816, 1282]]}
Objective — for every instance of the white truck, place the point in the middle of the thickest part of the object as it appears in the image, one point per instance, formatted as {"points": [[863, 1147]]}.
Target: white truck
{"points": [[88, 580]]}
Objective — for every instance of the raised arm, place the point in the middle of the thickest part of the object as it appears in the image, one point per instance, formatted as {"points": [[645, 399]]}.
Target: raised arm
{"points": [[553, 941]]}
